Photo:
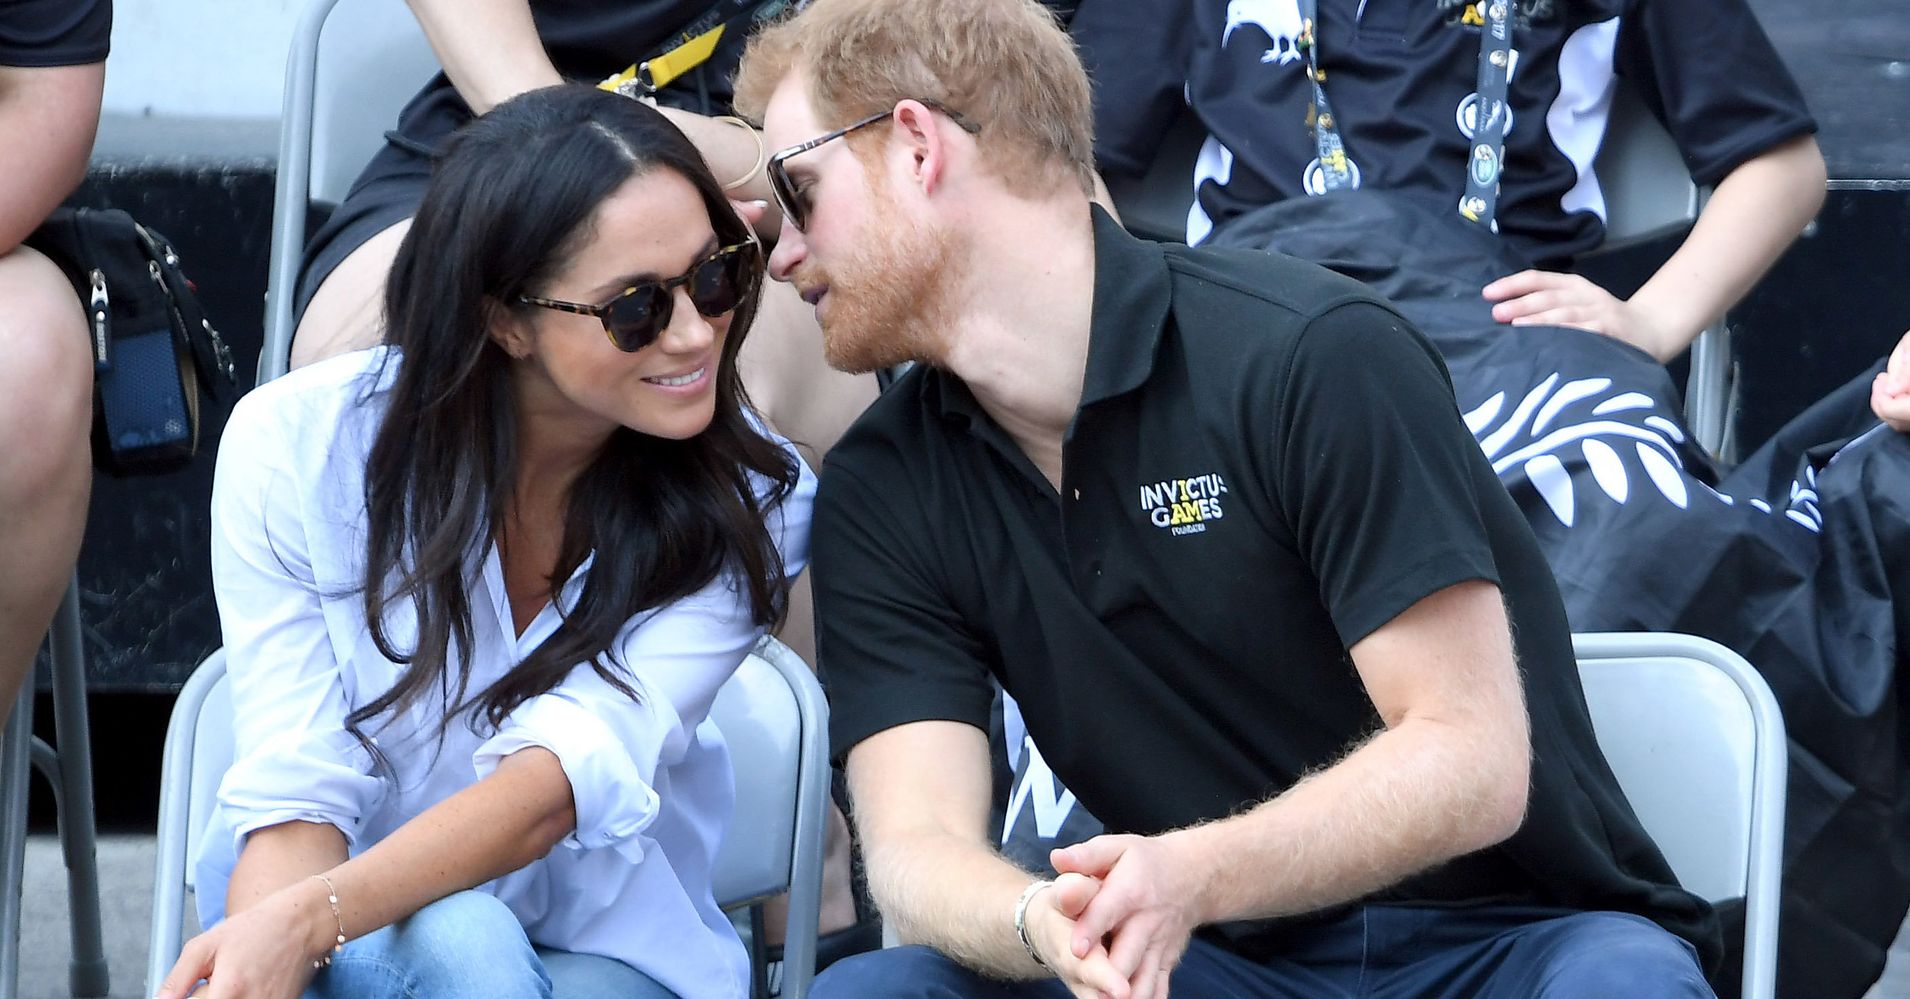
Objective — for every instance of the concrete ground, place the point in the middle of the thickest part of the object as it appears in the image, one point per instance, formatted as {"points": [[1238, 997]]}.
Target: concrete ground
{"points": [[126, 877]]}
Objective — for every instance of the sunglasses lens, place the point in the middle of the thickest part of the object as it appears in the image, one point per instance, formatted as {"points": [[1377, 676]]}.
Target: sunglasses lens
{"points": [[637, 318], [716, 286], [785, 193]]}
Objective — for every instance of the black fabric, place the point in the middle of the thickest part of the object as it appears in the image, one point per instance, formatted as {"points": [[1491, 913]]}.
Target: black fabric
{"points": [[1799, 558], [1267, 465], [1399, 73], [54, 32]]}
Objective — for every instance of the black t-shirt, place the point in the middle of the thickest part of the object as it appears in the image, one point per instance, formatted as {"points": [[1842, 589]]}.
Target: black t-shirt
{"points": [[54, 32], [1267, 465], [1400, 78]]}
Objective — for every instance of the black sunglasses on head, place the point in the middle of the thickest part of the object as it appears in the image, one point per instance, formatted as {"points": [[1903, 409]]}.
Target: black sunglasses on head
{"points": [[788, 198], [640, 313]]}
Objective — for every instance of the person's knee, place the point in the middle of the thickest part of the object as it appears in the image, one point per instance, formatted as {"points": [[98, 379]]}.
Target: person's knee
{"points": [[46, 383], [464, 944], [902, 972], [1613, 954]]}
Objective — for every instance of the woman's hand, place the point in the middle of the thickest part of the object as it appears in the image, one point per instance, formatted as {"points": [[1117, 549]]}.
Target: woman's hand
{"points": [[264, 952], [1890, 391]]}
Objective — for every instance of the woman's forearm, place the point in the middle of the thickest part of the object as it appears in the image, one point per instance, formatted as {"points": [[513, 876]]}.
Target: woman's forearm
{"points": [[489, 829], [281, 855]]}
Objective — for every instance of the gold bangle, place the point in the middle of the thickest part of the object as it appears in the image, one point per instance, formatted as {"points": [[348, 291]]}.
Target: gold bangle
{"points": [[762, 151], [331, 895]]}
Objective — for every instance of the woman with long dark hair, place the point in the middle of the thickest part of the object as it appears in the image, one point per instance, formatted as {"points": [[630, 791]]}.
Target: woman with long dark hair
{"points": [[480, 586]]}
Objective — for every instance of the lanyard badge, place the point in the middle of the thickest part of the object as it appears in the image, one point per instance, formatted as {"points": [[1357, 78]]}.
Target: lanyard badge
{"points": [[1485, 163]]}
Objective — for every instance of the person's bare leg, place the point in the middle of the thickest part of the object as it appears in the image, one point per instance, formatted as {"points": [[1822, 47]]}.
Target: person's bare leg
{"points": [[812, 404], [46, 467], [346, 313]]}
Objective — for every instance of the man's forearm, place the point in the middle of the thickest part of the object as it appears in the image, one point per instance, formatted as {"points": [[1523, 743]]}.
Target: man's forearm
{"points": [[1755, 213], [1406, 800], [952, 895]]}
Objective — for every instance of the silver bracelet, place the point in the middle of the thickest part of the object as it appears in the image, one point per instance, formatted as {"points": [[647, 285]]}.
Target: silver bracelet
{"points": [[1021, 917]]}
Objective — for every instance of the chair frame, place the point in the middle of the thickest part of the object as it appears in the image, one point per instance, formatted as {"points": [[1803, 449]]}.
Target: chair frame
{"points": [[70, 771], [292, 193], [166, 935], [1763, 877]]}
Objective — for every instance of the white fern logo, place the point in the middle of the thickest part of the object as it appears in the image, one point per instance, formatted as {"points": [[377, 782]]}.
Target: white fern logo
{"points": [[1526, 440]]}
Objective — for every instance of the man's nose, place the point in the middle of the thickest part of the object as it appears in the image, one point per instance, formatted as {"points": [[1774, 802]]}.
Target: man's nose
{"points": [[790, 251]]}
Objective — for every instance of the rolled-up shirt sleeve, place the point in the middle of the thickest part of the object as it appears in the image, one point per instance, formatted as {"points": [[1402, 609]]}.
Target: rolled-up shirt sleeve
{"points": [[674, 659], [294, 760]]}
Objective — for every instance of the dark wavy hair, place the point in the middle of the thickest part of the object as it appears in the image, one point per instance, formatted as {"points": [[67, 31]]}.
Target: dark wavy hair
{"points": [[511, 199]]}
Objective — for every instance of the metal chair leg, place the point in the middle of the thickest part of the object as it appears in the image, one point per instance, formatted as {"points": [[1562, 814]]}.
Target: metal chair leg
{"points": [[79, 835], [15, 750]]}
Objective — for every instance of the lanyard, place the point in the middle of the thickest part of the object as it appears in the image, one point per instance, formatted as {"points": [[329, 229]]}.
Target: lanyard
{"points": [[1336, 170], [1480, 202], [689, 48]]}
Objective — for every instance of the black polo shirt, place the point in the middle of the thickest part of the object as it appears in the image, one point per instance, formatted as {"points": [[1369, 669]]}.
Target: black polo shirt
{"points": [[1267, 465], [36, 33], [1401, 76]]}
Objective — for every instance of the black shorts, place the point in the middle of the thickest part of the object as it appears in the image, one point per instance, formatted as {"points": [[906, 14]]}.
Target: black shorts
{"points": [[392, 184]]}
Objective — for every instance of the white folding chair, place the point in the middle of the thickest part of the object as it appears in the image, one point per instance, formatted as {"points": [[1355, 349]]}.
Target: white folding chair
{"points": [[354, 65], [1697, 743], [1648, 194], [772, 713]]}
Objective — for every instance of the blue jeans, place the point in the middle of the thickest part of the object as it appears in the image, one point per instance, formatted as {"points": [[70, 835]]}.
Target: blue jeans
{"points": [[470, 944], [1378, 952]]}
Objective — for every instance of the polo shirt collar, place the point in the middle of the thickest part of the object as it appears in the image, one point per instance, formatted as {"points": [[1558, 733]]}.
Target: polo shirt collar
{"points": [[1131, 299]]}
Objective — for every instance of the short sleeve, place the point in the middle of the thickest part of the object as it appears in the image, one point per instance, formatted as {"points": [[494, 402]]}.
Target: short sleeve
{"points": [[676, 658], [1714, 79], [38, 33], [1376, 471], [293, 758], [892, 646]]}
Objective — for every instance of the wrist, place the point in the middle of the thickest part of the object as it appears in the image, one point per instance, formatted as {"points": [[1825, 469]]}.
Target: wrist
{"points": [[1197, 876], [1027, 911], [317, 917]]}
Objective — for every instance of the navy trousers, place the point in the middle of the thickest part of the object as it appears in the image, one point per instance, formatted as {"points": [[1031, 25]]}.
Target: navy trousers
{"points": [[1383, 952]]}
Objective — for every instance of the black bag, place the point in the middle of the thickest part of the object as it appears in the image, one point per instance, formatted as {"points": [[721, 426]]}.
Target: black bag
{"points": [[156, 357]]}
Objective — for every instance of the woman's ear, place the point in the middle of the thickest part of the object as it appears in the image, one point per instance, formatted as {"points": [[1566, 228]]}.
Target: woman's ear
{"points": [[508, 328]]}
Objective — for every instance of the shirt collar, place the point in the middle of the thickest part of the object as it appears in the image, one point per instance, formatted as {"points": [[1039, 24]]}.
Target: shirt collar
{"points": [[1131, 297]]}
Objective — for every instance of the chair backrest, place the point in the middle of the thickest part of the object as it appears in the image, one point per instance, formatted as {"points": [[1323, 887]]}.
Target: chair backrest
{"points": [[1697, 742], [1648, 189], [772, 714], [354, 64]]}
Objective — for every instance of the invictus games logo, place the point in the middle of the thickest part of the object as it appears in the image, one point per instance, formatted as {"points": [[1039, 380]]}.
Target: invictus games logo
{"points": [[1184, 506]]}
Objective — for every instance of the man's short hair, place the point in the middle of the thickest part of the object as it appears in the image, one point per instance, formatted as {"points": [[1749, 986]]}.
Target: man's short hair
{"points": [[1005, 65]]}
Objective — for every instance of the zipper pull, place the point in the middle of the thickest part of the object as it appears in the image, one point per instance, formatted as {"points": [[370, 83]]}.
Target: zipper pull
{"points": [[219, 347], [99, 301]]}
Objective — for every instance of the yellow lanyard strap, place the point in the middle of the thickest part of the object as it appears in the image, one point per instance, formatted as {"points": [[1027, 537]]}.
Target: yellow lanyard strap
{"points": [[655, 74]]}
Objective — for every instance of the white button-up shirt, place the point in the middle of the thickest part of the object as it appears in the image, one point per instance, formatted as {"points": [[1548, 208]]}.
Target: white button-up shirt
{"points": [[650, 778]]}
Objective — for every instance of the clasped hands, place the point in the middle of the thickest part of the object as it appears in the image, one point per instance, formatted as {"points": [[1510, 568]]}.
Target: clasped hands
{"points": [[1119, 916]]}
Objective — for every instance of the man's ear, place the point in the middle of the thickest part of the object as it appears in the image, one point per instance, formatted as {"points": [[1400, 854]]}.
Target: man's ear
{"points": [[920, 132], [508, 328]]}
